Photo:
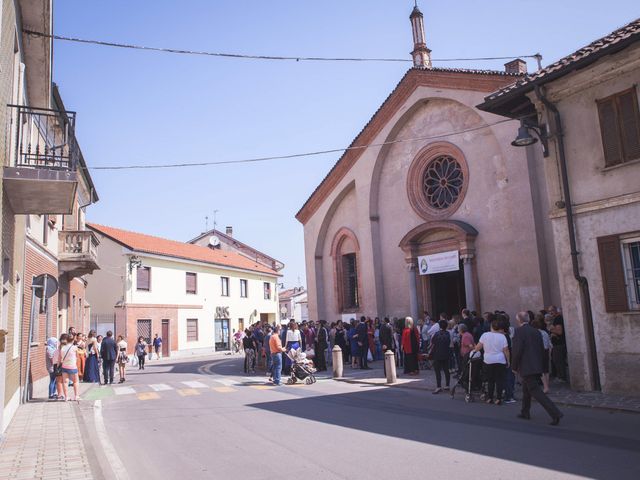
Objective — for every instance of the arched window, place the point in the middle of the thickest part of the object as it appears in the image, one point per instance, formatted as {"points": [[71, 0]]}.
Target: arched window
{"points": [[345, 252]]}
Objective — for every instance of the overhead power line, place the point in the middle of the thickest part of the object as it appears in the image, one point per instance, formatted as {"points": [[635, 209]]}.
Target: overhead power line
{"points": [[295, 155], [255, 57]]}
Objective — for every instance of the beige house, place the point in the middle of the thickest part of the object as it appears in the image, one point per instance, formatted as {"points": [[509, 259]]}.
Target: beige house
{"points": [[585, 106], [440, 213]]}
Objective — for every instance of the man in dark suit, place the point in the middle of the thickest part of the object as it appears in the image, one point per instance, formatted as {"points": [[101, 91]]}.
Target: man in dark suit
{"points": [[527, 360], [386, 340], [363, 342], [108, 353]]}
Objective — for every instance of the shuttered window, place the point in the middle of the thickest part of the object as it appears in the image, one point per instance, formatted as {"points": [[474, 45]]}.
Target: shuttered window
{"points": [[267, 291], [192, 329], [144, 279], [350, 282], [620, 127], [613, 281], [243, 288], [224, 286], [192, 283]]}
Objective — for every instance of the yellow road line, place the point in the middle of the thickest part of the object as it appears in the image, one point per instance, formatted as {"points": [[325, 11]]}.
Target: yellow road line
{"points": [[148, 396], [224, 389], [262, 387], [187, 392]]}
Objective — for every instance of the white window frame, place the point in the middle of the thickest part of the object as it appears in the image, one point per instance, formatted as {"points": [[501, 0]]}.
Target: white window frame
{"points": [[633, 295]]}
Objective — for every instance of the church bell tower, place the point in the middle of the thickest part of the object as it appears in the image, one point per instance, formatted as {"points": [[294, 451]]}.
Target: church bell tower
{"points": [[421, 54]]}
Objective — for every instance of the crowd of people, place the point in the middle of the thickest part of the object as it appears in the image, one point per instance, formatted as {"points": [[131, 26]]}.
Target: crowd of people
{"points": [[75, 358]]}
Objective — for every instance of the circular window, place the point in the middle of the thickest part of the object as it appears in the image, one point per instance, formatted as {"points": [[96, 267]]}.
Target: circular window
{"points": [[442, 182], [437, 181]]}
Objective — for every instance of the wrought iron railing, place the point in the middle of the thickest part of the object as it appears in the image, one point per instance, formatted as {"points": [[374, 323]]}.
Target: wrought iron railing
{"points": [[74, 243], [45, 138]]}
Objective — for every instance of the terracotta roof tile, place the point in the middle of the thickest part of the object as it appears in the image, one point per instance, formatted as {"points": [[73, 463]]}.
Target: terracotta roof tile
{"points": [[142, 243]]}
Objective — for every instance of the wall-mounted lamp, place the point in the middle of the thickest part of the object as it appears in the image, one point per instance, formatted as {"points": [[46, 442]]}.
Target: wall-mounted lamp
{"points": [[134, 262], [524, 138]]}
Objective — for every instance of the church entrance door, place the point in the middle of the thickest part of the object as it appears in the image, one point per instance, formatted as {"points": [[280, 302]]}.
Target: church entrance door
{"points": [[447, 292]]}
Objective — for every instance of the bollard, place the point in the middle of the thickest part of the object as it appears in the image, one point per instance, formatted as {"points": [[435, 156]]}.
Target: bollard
{"points": [[336, 354], [390, 366]]}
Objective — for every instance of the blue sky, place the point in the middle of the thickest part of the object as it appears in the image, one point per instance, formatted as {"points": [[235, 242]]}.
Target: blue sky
{"points": [[151, 108]]}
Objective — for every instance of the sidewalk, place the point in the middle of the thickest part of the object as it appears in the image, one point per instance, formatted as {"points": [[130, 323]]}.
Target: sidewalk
{"points": [[45, 441], [560, 392]]}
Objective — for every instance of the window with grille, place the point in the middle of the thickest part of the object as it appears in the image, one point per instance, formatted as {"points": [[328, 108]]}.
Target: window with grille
{"points": [[144, 279], [243, 288], [144, 330], [224, 285], [192, 330], [350, 281], [631, 251], [192, 283], [267, 291], [620, 127]]}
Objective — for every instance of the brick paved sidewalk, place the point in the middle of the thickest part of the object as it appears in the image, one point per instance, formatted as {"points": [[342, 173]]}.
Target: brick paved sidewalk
{"points": [[44, 441], [560, 392]]}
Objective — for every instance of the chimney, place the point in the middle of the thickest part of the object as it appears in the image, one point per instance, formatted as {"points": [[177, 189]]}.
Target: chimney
{"points": [[230, 231], [517, 66], [421, 54]]}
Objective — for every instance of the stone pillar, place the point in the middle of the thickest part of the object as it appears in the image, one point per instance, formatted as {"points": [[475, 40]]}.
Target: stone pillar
{"points": [[336, 353], [413, 291], [390, 366], [469, 284]]}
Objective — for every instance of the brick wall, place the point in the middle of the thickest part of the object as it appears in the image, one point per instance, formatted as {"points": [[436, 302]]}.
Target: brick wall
{"points": [[37, 263], [156, 314], [78, 318]]}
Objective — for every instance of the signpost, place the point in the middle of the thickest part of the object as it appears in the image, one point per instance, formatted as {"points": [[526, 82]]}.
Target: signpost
{"points": [[43, 287], [439, 263]]}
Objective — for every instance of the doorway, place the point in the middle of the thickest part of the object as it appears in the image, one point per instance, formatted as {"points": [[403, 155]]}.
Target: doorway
{"points": [[221, 335], [447, 292], [165, 338]]}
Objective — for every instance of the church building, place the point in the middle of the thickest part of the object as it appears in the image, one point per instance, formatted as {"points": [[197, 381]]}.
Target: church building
{"points": [[431, 208]]}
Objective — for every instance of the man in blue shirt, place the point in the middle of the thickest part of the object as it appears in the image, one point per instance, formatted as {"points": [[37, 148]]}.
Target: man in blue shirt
{"points": [[157, 345]]}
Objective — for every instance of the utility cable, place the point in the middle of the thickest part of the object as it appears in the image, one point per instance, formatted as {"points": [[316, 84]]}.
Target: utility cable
{"points": [[295, 155], [254, 57]]}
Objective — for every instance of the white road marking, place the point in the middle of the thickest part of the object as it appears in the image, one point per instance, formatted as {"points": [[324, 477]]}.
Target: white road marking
{"points": [[119, 470], [226, 382], [123, 390], [195, 384], [160, 387]]}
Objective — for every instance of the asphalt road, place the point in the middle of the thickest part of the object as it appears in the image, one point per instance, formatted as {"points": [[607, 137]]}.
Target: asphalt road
{"points": [[206, 420]]}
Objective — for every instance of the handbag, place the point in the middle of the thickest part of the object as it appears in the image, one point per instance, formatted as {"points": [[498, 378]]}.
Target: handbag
{"points": [[57, 368]]}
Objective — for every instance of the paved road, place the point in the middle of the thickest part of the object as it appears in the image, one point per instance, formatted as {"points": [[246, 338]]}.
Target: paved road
{"points": [[204, 419]]}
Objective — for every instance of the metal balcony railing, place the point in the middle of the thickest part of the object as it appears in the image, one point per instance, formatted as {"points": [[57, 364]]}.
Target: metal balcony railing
{"points": [[45, 138]]}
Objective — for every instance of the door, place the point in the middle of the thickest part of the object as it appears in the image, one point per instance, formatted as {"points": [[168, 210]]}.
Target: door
{"points": [[241, 324], [447, 292], [221, 335], [165, 338]]}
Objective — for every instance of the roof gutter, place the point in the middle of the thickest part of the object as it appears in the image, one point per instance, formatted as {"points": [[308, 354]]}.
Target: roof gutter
{"points": [[583, 284]]}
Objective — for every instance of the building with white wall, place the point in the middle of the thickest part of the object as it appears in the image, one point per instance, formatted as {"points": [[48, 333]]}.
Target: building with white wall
{"points": [[293, 305], [194, 297]]}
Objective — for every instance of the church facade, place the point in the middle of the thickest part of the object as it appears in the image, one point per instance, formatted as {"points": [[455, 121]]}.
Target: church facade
{"points": [[438, 212]]}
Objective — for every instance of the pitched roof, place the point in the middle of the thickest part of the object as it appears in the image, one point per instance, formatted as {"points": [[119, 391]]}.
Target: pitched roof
{"points": [[142, 243], [291, 292], [450, 78], [611, 43]]}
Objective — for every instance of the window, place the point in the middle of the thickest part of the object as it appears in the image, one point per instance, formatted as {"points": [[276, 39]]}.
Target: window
{"points": [[620, 268], [144, 330], [267, 291], [350, 281], [224, 285], [192, 283], [620, 127], [442, 182], [144, 279], [243, 288], [192, 329]]}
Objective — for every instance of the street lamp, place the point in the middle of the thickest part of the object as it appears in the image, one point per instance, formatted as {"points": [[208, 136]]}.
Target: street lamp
{"points": [[524, 138]]}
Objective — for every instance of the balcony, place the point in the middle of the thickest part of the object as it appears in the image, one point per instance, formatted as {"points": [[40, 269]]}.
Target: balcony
{"points": [[41, 177], [77, 252]]}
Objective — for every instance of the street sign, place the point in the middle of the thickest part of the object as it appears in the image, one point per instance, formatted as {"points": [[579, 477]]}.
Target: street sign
{"points": [[48, 285]]}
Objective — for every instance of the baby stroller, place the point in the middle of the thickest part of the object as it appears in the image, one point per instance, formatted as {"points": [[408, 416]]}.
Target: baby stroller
{"points": [[471, 378], [302, 369]]}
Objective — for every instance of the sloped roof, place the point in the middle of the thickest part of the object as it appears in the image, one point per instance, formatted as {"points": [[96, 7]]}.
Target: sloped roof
{"points": [[449, 78], [498, 101], [139, 242], [291, 292]]}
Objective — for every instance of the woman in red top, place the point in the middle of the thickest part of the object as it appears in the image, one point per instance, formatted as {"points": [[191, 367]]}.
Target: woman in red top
{"points": [[371, 332], [410, 346]]}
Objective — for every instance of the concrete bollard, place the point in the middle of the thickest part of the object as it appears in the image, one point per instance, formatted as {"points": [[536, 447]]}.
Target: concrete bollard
{"points": [[390, 366], [336, 355]]}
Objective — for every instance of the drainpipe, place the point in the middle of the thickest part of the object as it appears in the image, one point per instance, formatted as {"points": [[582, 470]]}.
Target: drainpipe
{"points": [[583, 284]]}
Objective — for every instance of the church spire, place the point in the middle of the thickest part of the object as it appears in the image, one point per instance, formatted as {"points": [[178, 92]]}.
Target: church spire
{"points": [[421, 54]]}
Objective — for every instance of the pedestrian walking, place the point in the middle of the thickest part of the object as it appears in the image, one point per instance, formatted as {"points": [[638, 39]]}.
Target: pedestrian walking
{"points": [[52, 348], [92, 368], [496, 360], [528, 356], [540, 324], [122, 358], [141, 352], [440, 353], [108, 353], [157, 346], [276, 351], [410, 346], [293, 340]]}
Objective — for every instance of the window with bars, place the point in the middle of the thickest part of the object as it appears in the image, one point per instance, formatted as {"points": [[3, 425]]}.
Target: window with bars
{"points": [[144, 329], [143, 280], [192, 283], [243, 288], [350, 281], [224, 286], [192, 330], [267, 291], [620, 127]]}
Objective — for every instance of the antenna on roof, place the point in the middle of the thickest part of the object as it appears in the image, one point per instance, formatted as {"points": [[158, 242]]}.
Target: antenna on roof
{"points": [[215, 224], [206, 223]]}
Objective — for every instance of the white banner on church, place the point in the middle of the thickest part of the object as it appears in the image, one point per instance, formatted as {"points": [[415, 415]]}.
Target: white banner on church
{"points": [[439, 263]]}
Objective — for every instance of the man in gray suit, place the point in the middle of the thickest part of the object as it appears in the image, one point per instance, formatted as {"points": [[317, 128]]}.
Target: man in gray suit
{"points": [[527, 360]]}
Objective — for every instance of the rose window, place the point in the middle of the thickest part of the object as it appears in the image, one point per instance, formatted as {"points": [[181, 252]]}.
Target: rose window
{"points": [[442, 182]]}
